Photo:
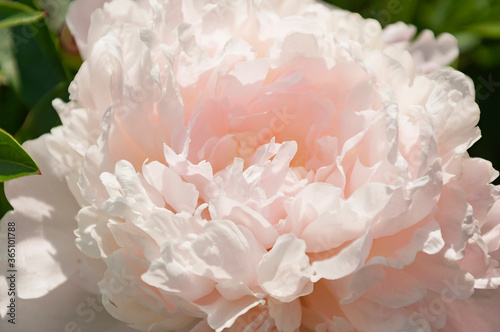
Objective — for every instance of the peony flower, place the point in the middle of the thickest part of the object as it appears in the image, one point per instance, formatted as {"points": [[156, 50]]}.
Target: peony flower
{"points": [[256, 166]]}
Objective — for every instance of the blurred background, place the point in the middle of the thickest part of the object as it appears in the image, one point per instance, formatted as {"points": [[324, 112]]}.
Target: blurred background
{"points": [[38, 59]]}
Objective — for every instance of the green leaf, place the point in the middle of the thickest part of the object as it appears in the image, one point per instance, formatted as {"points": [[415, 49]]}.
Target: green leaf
{"points": [[56, 12], [30, 61], [36, 66], [13, 111], [14, 161], [4, 203], [15, 13], [43, 116], [8, 64]]}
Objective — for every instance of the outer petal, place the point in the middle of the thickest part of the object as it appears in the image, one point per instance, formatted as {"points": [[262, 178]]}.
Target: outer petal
{"points": [[432, 53], [45, 219], [78, 21], [66, 308]]}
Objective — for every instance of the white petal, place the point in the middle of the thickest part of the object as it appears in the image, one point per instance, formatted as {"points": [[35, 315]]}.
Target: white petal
{"points": [[181, 196], [345, 262], [287, 316], [225, 208], [223, 313], [226, 251], [284, 272]]}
